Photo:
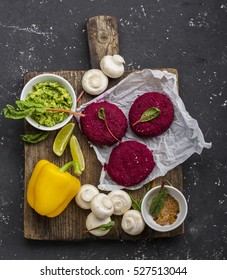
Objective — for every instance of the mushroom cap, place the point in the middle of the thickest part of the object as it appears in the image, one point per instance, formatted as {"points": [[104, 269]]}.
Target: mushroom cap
{"points": [[102, 206], [92, 222], [121, 201], [94, 81], [112, 65], [85, 196], [132, 222]]}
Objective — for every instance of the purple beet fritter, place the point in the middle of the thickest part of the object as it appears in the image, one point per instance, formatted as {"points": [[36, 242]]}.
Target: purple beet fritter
{"points": [[159, 124], [130, 163], [95, 129]]}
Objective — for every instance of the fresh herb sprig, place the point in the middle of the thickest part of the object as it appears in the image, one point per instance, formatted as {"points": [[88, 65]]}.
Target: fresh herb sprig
{"points": [[102, 116], [35, 138], [136, 205], [24, 109], [148, 115], [103, 227], [158, 201]]}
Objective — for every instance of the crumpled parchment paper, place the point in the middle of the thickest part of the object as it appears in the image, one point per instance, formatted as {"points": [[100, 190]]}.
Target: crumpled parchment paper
{"points": [[170, 149]]}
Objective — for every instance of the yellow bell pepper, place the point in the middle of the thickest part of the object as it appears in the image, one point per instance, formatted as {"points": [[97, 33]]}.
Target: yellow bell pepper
{"points": [[50, 188]]}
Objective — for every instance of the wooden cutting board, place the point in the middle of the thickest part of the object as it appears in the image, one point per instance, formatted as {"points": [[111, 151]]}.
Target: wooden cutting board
{"points": [[70, 225]]}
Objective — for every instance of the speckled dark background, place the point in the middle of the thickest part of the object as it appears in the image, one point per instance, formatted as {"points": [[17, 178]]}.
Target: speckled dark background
{"points": [[188, 35]]}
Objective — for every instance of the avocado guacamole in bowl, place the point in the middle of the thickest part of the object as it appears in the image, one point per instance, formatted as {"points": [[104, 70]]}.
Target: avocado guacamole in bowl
{"points": [[53, 92]]}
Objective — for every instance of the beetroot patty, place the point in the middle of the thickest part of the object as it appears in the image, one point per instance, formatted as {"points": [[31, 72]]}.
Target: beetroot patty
{"points": [[95, 129], [159, 124], [130, 163]]}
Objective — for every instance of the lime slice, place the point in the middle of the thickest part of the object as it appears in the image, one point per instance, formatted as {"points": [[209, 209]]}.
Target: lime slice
{"points": [[62, 138], [76, 152]]}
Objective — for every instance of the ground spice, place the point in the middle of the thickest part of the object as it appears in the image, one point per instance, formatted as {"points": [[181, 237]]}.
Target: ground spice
{"points": [[168, 214]]}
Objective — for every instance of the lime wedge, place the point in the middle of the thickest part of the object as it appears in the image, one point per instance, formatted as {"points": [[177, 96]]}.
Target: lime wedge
{"points": [[76, 152], [62, 138]]}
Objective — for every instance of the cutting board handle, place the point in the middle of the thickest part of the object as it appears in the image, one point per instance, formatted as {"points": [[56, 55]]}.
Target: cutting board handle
{"points": [[102, 38]]}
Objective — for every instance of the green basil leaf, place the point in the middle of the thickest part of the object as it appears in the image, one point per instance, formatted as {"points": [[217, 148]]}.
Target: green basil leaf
{"points": [[148, 115], [35, 138], [23, 105], [105, 227], [13, 113], [158, 202], [23, 109], [101, 114]]}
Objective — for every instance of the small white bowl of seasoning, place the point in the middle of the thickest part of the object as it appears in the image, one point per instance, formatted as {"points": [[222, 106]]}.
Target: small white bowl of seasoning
{"points": [[59, 86], [166, 220]]}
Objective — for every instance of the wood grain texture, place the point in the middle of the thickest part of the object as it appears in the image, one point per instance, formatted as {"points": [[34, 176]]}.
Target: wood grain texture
{"points": [[70, 225], [102, 38]]}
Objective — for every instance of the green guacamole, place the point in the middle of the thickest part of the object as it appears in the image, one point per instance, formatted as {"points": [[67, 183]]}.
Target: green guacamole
{"points": [[52, 95]]}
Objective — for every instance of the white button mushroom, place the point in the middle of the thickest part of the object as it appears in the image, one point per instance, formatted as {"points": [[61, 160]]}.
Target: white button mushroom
{"points": [[121, 201], [112, 66], [85, 196], [102, 206], [94, 81], [132, 222], [92, 222]]}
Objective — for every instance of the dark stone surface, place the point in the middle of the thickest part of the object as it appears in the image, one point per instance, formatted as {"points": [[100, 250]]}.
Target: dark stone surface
{"points": [[50, 35]]}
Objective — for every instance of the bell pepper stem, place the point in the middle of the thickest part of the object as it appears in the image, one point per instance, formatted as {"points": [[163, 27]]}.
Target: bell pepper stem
{"points": [[74, 164]]}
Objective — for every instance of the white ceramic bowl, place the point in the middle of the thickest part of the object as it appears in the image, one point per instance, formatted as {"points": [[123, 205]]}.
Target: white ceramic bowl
{"points": [[49, 78], [146, 203]]}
